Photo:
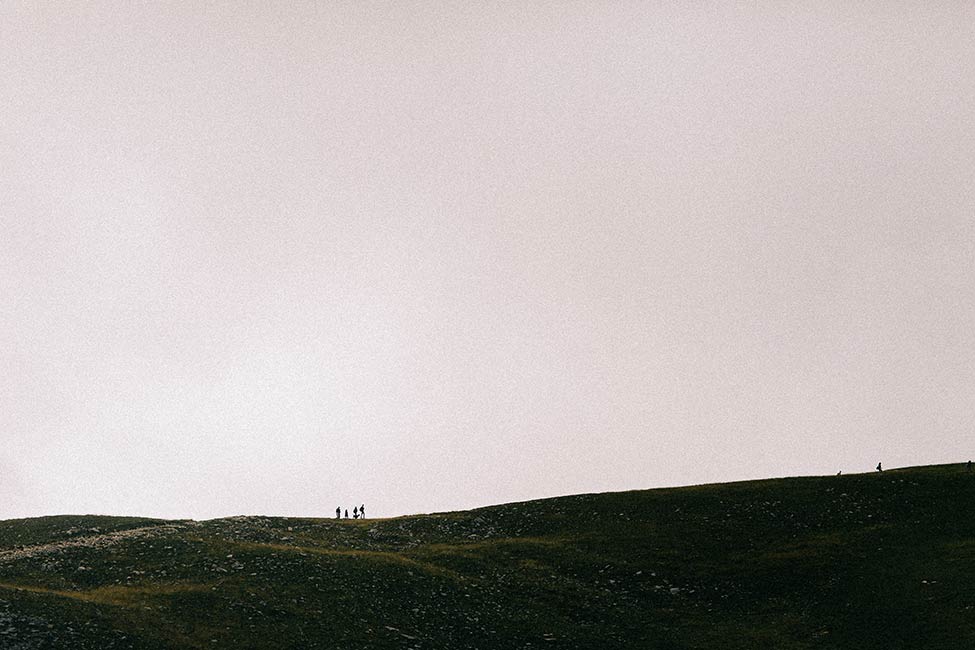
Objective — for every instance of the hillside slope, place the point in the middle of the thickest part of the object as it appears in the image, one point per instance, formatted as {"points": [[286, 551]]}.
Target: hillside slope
{"points": [[861, 561]]}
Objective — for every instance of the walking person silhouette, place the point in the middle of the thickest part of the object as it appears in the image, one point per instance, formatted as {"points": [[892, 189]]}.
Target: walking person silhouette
{"points": [[338, 512]]}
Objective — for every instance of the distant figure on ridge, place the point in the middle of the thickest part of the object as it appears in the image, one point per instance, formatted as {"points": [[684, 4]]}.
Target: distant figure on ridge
{"points": [[355, 513], [338, 512], [968, 467], [362, 508], [879, 468], [346, 513]]}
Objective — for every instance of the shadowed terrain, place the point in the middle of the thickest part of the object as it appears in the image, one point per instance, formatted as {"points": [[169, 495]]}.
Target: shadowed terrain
{"points": [[861, 561]]}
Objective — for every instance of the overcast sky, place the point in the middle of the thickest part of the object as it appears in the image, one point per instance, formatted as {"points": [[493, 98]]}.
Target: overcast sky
{"points": [[270, 258]]}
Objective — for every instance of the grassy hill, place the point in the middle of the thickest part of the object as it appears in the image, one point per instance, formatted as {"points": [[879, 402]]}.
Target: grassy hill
{"points": [[860, 561]]}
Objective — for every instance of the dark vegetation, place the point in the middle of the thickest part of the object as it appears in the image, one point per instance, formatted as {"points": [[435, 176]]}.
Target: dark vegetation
{"points": [[860, 561]]}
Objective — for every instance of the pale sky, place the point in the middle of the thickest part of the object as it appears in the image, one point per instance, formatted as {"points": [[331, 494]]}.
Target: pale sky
{"points": [[271, 258]]}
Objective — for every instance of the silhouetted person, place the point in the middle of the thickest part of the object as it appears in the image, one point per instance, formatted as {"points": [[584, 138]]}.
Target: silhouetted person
{"points": [[968, 467], [879, 468], [346, 513], [355, 513], [362, 509], [338, 512]]}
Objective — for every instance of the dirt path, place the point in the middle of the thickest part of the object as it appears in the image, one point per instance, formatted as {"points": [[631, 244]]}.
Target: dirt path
{"points": [[101, 540]]}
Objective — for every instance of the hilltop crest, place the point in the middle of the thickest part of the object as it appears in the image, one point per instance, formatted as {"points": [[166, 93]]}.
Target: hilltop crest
{"points": [[866, 561]]}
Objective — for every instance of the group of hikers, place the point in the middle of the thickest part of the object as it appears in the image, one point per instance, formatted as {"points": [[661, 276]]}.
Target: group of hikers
{"points": [[360, 512], [357, 513]]}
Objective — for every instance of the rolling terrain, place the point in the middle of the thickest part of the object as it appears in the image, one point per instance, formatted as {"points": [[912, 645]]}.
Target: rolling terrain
{"points": [[859, 561]]}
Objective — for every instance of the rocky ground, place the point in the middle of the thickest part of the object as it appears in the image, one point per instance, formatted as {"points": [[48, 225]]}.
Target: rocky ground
{"points": [[862, 561]]}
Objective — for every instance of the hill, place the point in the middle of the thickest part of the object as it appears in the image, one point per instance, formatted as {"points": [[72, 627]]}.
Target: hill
{"points": [[860, 561]]}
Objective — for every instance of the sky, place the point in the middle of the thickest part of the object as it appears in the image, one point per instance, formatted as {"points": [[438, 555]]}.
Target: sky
{"points": [[273, 258]]}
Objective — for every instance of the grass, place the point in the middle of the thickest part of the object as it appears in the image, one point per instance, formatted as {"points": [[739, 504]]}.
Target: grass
{"points": [[858, 561]]}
